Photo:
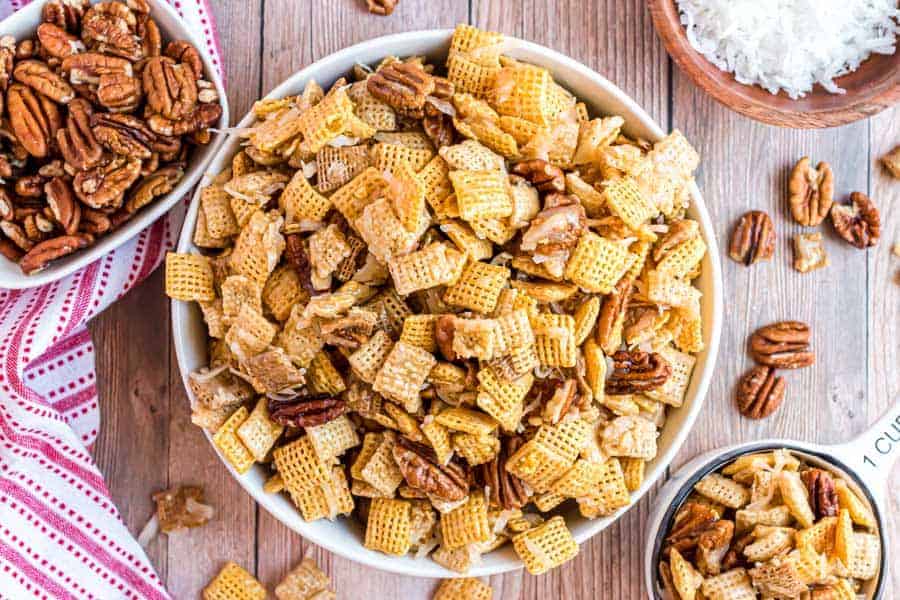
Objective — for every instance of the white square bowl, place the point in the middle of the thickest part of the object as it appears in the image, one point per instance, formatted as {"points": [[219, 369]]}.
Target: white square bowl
{"points": [[345, 536], [21, 25]]}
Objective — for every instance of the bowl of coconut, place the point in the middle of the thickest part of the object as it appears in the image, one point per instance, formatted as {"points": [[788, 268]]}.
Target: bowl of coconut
{"points": [[792, 63]]}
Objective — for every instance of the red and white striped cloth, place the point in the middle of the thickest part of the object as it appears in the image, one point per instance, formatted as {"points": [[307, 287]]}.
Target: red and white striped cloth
{"points": [[61, 537]]}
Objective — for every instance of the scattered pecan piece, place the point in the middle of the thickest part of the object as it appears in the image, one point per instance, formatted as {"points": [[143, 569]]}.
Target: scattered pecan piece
{"points": [[735, 557], [783, 345], [507, 490], [49, 250], [306, 411], [634, 372], [541, 174], [38, 76], [822, 496], [16, 234], [181, 508], [753, 238], [760, 393], [63, 205], [809, 252], [811, 192], [10, 250], [891, 162], [859, 224], [402, 86], [444, 328], [382, 7], [30, 186], [421, 470]]}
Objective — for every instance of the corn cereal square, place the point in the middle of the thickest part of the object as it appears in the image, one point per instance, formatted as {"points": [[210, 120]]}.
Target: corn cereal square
{"points": [[546, 546], [403, 374]]}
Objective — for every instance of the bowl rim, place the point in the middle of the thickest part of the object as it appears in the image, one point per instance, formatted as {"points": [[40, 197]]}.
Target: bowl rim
{"points": [[673, 495], [15, 279], [694, 65], [439, 39]]}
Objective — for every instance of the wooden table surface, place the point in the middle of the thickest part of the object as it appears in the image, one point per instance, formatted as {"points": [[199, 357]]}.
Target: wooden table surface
{"points": [[147, 442]]}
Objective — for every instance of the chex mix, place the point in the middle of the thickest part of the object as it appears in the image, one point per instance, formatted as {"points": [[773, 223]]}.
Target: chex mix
{"points": [[447, 305]]}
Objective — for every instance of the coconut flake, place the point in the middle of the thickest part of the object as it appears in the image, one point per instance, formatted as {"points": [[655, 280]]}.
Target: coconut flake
{"points": [[343, 140], [790, 45], [149, 532]]}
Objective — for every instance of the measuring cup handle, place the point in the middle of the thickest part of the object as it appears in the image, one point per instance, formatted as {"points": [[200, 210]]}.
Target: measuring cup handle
{"points": [[874, 452]]}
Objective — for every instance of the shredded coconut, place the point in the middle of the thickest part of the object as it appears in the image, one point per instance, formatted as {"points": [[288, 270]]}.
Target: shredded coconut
{"points": [[790, 45]]}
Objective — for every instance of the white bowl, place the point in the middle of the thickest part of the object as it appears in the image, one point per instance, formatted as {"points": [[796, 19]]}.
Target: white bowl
{"points": [[22, 24], [865, 462], [344, 537]]}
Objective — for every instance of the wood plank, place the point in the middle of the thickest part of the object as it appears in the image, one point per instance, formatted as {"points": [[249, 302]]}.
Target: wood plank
{"points": [[884, 304], [196, 556], [134, 404], [615, 38], [297, 34]]}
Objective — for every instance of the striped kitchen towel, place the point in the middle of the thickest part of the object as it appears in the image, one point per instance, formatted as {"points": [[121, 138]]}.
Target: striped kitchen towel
{"points": [[61, 537]]}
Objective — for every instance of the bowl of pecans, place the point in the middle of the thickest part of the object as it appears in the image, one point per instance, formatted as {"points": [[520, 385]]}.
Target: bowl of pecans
{"points": [[109, 110], [453, 312], [776, 518]]}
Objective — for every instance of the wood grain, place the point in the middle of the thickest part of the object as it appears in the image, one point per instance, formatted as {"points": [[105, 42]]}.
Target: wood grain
{"points": [[148, 443]]}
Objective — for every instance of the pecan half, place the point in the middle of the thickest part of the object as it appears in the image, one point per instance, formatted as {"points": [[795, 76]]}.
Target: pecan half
{"points": [[16, 234], [125, 135], [554, 232], [382, 7], [30, 186], [7, 205], [402, 86], [38, 76], [34, 119], [109, 29], [170, 87], [151, 37], [57, 42], [753, 238], [88, 67], [184, 52], [119, 92], [104, 186], [783, 345], [94, 222], [822, 495], [205, 115], [438, 127], [350, 331], [422, 470], [637, 372], [444, 329], [154, 185], [306, 411], [760, 393], [66, 14], [859, 224], [691, 520], [7, 61], [506, 490], [77, 144], [63, 205], [47, 251], [560, 400], [713, 545], [735, 557], [679, 232], [541, 174], [612, 312], [10, 250], [811, 192], [295, 254]]}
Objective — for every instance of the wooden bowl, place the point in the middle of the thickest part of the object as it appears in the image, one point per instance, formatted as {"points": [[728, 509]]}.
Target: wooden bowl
{"points": [[872, 88]]}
